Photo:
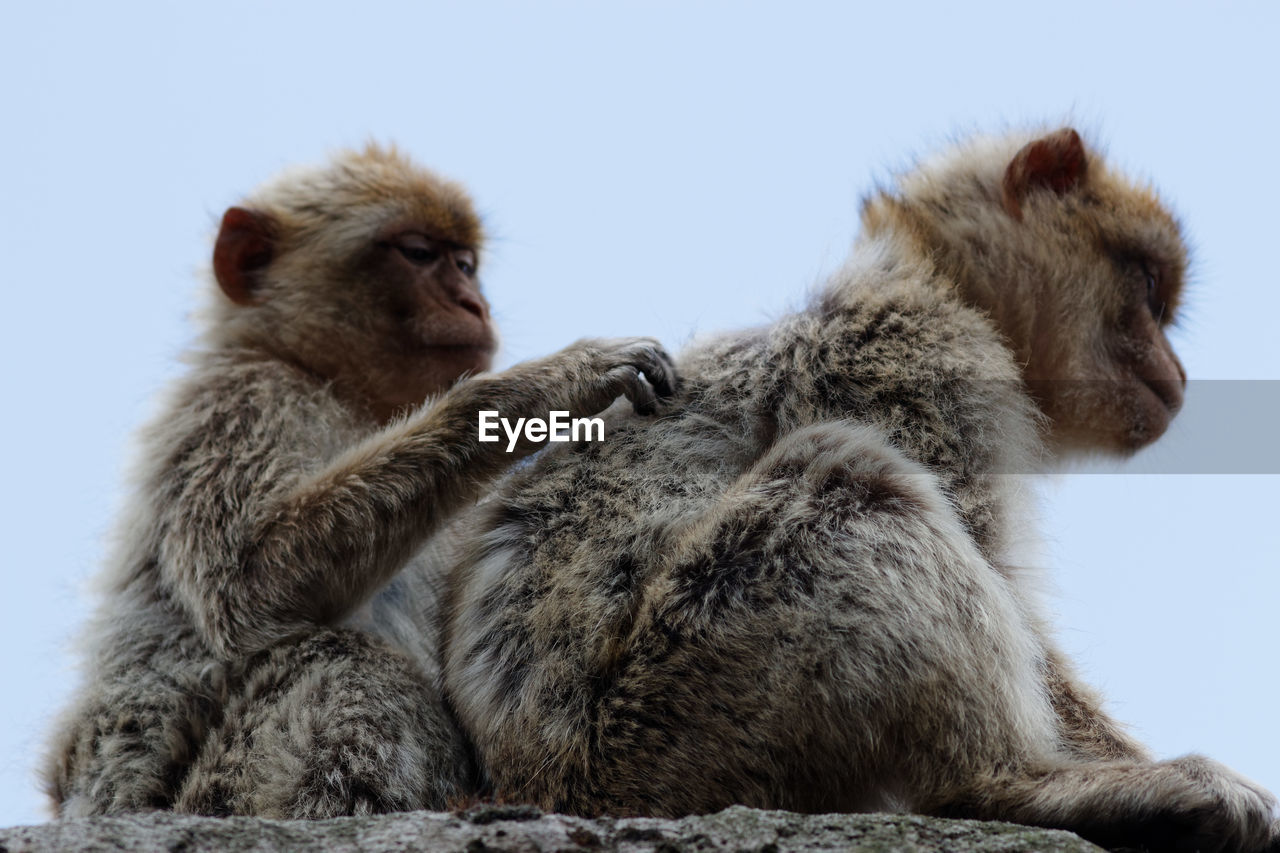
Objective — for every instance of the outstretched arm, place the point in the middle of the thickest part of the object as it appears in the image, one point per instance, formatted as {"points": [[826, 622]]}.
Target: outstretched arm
{"points": [[253, 570]]}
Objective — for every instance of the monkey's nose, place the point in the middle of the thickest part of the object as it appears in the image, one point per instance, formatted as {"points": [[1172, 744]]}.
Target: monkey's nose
{"points": [[473, 305]]}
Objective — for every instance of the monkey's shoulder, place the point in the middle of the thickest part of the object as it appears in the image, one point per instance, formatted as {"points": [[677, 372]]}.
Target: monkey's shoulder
{"points": [[232, 404], [898, 332]]}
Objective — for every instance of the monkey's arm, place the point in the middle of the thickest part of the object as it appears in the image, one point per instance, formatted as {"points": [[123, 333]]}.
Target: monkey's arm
{"points": [[1086, 730], [254, 570]]}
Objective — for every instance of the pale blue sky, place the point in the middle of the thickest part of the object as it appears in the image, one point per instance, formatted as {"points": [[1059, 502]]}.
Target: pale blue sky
{"points": [[658, 168]]}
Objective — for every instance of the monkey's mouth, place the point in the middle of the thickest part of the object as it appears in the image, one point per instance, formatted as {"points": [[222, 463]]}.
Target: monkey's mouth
{"points": [[461, 357], [462, 339], [487, 347], [1153, 411]]}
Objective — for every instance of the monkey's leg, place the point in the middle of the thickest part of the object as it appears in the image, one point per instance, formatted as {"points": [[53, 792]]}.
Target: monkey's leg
{"points": [[867, 634], [125, 746], [827, 636], [824, 637], [335, 723], [1162, 795], [1187, 804], [1106, 787], [963, 674]]}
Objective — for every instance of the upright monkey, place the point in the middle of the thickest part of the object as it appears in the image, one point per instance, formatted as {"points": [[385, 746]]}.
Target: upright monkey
{"points": [[265, 641], [796, 589]]}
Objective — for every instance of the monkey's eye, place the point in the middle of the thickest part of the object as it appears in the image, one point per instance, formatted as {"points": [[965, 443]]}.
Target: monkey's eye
{"points": [[418, 254], [466, 262], [1155, 302], [416, 249]]}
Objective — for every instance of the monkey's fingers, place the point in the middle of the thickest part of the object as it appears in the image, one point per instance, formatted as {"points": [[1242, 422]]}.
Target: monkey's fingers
{"points": [[661, 373], [649, 357], [625, 381], [628, 381]]}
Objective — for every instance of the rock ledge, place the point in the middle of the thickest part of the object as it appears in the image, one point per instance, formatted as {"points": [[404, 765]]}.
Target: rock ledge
{"points": [[518, 828]]}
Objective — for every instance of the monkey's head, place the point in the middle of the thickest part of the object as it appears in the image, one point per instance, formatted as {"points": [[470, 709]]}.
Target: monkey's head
{"points": [[1079, 267], [363, 272]]}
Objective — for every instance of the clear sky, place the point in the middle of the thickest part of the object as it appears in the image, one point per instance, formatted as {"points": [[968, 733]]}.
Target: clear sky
{"points": [[655, 168]]}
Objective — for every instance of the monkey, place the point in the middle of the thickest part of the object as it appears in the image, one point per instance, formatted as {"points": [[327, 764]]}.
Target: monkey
{"points": [[262, 646], [799, 587]]}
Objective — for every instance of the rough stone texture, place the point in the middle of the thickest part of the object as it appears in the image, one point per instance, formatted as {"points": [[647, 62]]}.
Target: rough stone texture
{"points": [[508, 828]]}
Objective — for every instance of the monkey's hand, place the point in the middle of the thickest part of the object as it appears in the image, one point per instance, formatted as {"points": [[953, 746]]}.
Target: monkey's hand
{"points": [[1206, 806], [583, 378], [600, 370]]}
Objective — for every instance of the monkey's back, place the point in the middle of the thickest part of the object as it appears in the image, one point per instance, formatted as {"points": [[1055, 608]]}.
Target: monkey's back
{"points": [[573, 548]]}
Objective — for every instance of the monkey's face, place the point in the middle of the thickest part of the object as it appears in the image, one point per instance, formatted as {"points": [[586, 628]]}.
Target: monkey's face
{"points": [[1106, 263], [1079, 269], [430, 323], [364, 273], [1103, 369], [391, 318]]}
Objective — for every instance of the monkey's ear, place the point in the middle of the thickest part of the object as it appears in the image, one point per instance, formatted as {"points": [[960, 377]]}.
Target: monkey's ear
{"points": [[246, 244], [1056, 162]]}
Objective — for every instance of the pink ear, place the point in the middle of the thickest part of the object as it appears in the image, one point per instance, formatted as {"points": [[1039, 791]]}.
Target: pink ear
{"points": [[246, 244], [1056, 162]]}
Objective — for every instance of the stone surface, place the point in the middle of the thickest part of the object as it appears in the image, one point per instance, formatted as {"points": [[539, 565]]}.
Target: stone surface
{"points": [[508, 828]]}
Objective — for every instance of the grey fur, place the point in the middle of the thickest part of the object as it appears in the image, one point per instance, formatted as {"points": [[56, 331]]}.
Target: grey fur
{"points": [[266, 639], [798, 588]]}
